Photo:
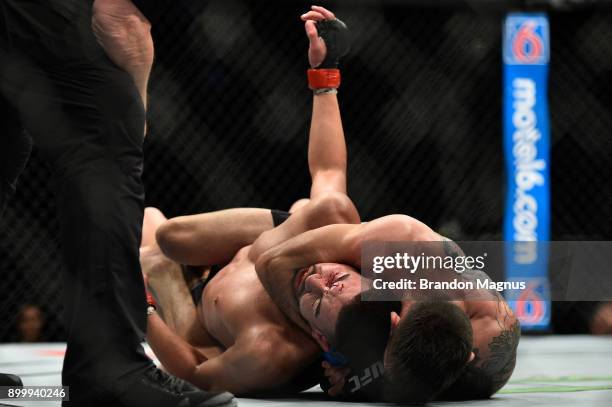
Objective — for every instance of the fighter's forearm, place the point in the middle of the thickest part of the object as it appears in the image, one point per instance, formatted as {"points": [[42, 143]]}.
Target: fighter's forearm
{"points": [[331, 243], [327, 158], [278, 266], [337, 243], [176, 355]]}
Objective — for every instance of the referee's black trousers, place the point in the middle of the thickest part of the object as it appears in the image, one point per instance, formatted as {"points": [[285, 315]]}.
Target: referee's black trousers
{"points": [[86, 118]]}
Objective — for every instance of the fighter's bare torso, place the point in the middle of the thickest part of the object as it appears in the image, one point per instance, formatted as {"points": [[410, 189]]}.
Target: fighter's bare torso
{"points": [[236, 306]]}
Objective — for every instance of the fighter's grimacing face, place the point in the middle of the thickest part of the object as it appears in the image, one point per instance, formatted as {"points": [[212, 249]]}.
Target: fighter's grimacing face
{"points": [[322, 290]]}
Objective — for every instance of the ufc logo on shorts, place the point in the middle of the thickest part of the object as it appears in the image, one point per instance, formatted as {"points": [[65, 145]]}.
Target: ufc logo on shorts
{"points": [[369, 374]]}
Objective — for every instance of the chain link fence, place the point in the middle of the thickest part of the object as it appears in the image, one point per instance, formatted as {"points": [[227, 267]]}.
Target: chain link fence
{"points": [[421, 101]]}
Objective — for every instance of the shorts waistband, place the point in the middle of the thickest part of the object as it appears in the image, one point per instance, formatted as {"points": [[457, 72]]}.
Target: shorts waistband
{"points": [[198, 289]]}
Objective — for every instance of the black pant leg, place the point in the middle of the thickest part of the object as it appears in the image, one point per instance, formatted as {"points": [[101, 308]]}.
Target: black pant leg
{"points": [[15, 148], [15, 144], [93, 138], [86, 117]]}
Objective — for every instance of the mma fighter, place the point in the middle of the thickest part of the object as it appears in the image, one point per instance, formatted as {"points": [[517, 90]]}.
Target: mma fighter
{"points": [[462, 349], [308, 265], [235, 338]]}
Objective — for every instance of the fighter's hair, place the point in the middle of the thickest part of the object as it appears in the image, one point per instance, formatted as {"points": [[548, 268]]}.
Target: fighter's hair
{"points": [[427, 352], [361, 335]]}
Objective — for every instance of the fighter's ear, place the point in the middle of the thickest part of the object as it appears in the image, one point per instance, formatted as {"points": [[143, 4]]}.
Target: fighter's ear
{"points": [[395, 320], [321, 339]]}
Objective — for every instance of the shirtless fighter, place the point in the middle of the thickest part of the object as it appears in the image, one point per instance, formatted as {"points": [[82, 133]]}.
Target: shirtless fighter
{"points": [[321, 297], [236, 338], [458, 350]]}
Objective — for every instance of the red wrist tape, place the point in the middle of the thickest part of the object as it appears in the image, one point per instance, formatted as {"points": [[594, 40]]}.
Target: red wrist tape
{"points": [[150, 300], [324, 78]]}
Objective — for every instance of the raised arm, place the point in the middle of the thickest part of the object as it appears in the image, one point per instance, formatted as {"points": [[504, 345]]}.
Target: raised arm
{"points": [[326, 147]]}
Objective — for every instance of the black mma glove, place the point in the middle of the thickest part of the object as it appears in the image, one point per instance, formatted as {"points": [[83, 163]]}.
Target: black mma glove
{"points": [[336, 36]]}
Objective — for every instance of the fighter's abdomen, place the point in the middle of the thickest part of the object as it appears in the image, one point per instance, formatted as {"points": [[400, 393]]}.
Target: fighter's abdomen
{"points": [[235, 301]]}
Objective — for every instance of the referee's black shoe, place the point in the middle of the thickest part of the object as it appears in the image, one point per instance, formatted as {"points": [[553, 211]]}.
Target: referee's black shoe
{"points": [[155, 388], [10, 380]]}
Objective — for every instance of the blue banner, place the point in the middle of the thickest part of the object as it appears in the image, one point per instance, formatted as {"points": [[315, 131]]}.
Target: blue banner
{"points": [[526, 52]]}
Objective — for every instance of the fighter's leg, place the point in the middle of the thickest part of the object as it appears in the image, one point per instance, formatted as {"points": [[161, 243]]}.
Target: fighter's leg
{"points": [[153, 219], [166, 281], [299, 204], [175, 304], [326, 209], [214, 237]]}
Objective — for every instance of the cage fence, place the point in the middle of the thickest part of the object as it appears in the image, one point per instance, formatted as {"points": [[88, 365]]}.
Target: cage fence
{"points": [[421, 102]]}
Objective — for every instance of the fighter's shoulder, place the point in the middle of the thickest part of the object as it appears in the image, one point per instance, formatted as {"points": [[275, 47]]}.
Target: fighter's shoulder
{"points": [[404, 226]]}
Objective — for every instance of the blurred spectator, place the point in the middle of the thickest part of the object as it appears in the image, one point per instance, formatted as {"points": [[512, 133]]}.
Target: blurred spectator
{"points": [[30, 324], [601, 323], [582, 317]]}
